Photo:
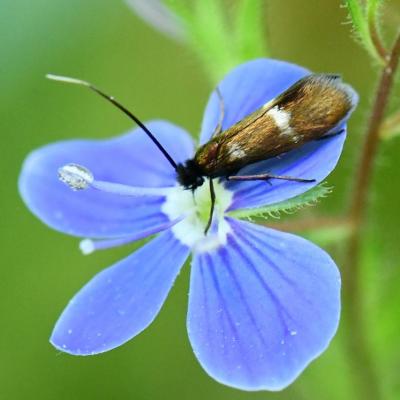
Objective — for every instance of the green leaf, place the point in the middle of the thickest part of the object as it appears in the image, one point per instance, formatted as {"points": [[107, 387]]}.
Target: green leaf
{"points": [[359, 19], [208, 34], [221, 38], [250, 34], [212, 38], [288, 206]]}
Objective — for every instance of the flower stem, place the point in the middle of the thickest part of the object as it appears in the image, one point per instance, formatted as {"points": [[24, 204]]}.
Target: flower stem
{"points": [[363, 178], [372, 10], [358, 346]]}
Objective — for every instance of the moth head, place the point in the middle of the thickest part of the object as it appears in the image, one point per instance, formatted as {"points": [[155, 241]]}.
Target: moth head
{"points": [[189, 175]]}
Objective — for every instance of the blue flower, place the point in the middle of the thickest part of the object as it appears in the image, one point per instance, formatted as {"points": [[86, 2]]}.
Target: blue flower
{"points": [[262, 304]]}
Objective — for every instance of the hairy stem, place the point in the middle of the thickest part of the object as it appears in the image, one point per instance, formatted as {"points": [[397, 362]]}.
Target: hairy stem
{"points": [[358, 346], [373, 30], [363, 177], [376, 40]]}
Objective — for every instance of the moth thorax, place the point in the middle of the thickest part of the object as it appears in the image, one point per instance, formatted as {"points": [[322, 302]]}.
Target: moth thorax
{"points": [[190, 175]]}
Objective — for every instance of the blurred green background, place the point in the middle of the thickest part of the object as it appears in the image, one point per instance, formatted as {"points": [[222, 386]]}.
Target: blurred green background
{"points": [[104, 42]]}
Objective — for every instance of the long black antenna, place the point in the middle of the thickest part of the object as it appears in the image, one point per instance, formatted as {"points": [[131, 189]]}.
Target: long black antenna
{"points": [[112, 100]]}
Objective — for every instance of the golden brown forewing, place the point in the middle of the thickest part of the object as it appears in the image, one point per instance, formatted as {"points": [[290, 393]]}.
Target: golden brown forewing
{"points": [[308, 110]]}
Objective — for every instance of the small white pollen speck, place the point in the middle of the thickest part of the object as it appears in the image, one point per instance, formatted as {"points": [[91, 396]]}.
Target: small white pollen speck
{"points": [[69, 331], [293, 333]]}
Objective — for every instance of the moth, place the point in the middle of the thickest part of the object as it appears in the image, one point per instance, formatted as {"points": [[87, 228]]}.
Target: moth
{"points": [[311, 109]]}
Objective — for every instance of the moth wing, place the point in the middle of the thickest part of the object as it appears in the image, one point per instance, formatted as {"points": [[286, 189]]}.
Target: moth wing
{"points": [[315, 103], [310, 109]]}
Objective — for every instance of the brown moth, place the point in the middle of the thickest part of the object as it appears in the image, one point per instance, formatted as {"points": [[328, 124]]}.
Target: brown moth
{"points": [[308, 110], [311, 109]]}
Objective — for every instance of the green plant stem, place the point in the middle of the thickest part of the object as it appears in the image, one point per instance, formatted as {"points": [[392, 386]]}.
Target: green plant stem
{"points": [[372, 11], [364, 172], [363, 27], [362, 364]]}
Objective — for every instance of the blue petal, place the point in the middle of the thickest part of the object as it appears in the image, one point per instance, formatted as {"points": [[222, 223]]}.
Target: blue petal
{"points": [[246, 88], [130, 159], [262, 308], [314, 160], [120, 301]]}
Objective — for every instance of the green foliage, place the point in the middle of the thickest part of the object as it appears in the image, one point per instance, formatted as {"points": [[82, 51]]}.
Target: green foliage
{"points": [[373, 9], [220, 40], [288, 206], [365, 21], [250, 32]]}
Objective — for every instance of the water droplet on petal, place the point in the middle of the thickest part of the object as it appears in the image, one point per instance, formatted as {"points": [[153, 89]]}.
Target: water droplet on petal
{"points": [[75, 176]]}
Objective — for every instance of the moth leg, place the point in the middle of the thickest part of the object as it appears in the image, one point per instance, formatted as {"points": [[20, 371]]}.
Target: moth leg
{"points": [[266, 177], [212, 195], [218, 128], [194, 197], [331, 135]]}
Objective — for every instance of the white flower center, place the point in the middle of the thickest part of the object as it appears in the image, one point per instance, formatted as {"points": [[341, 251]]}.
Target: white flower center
{"points": [[197, 206]]}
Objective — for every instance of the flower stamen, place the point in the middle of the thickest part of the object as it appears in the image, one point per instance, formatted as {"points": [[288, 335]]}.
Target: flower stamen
{"points": [[197, 204], [78, 177]]}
